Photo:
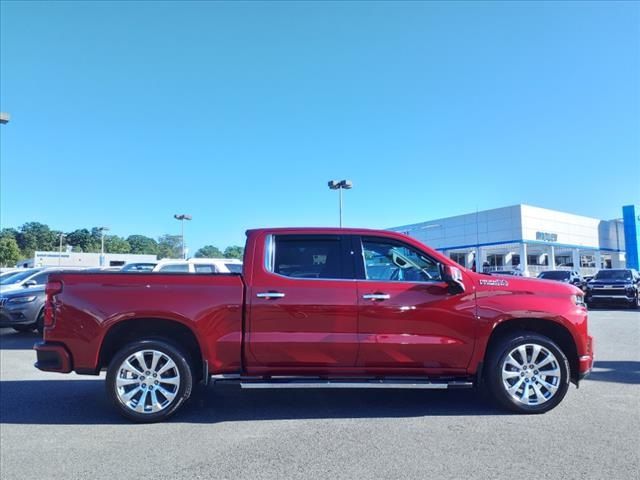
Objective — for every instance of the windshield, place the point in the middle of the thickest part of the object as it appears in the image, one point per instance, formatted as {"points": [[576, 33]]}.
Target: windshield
{"points": [[554, 275], [234, 267], [17, 277], [613, 275]]}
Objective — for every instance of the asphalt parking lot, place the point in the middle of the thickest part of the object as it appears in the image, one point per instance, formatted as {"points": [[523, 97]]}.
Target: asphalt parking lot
{"points": [[61, 426]]}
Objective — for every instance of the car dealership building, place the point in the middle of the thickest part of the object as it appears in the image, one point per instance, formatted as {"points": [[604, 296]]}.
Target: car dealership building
{"points": [[529, 240]]}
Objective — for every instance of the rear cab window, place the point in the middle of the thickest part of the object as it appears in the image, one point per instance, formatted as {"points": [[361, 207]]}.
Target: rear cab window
{"points": [[176, 267]]}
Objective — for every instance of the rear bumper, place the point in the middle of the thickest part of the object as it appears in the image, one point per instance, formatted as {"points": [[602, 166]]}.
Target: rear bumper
{"points": [[52, 357]]}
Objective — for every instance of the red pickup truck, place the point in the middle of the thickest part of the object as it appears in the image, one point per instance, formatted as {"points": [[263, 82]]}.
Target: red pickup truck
{"points": [[318, 307]]}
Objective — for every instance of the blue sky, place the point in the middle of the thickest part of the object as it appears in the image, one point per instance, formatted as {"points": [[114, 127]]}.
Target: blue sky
{"points": [[239, 113]]}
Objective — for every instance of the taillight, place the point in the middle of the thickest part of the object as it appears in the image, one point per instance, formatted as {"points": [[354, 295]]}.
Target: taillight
{"points": [[53, 288]]}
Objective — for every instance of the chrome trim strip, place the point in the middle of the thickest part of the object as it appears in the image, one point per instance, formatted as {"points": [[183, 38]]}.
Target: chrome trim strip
{"points": [[270, 295], [269, 253], [376, 296], [611, 296], [429, 386]]}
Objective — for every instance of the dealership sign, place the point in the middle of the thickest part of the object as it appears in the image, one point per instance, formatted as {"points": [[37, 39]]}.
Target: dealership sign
{"points": [[547, 237]]}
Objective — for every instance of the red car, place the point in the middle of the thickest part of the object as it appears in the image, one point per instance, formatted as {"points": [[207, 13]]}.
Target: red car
{"points": [[336, 308]]}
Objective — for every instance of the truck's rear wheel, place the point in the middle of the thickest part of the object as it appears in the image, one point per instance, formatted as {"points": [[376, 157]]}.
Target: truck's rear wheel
{"points": [[149, 380], [527, 373]]}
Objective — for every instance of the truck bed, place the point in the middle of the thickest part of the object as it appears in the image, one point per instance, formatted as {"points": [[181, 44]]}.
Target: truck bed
{"points": [[91, 306]]}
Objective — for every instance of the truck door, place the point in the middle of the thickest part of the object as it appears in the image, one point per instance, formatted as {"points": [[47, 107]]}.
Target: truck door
{"points": [[302, 311], [407, 316]]}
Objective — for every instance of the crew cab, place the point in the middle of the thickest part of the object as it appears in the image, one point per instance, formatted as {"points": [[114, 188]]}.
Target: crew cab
{"points": [[318, 308], [616, 286]]}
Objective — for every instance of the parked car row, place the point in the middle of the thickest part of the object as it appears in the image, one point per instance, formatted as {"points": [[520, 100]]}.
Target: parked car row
{"points": [[22, 291], [613, 286], [616, 286]]}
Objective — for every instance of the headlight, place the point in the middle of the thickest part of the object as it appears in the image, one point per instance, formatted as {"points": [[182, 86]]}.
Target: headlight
{"points": [[578, 300], [22, 299]]}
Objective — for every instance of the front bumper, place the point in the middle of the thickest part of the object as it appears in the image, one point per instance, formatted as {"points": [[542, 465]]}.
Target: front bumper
{"points": [[585, 362], [599, 299], [19, 313], [53, 357]]}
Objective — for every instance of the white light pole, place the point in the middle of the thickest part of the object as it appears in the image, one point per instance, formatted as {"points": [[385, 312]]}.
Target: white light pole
{"points": [[182, 217], [62, 235], [340, 185], [102, 230]]}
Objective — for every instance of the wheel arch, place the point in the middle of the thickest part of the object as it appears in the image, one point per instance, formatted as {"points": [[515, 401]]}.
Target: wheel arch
{"points": [[171, 331], [549, 328]]}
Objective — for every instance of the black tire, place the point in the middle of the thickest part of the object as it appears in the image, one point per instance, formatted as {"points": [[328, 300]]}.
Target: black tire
{"points": [[181, 394], [497, 387], [40, 322], [23, 328]]}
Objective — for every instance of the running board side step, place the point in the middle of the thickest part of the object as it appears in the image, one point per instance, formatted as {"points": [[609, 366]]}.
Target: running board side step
{"points": [[406, 384]]}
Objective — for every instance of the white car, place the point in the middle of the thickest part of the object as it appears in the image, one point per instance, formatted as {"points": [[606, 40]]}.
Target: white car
{"points": [[200, 265], [29, 277]]}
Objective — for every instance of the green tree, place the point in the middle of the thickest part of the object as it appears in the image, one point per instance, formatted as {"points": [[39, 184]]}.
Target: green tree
{"points": [[83, 240], [34, 236], [209, 251], [9, 251], [169, 246], [116, 244], [234, 251], [142, 245], [9, 233]]}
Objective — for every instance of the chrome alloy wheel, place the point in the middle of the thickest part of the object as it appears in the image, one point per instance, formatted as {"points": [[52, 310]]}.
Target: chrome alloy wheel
{"points": [[531, 374], [147, 381]]}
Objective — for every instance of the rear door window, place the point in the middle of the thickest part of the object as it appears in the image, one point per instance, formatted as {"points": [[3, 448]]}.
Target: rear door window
{"points": [[175, 267], [312, 257], [234, 267], [205, 268]]}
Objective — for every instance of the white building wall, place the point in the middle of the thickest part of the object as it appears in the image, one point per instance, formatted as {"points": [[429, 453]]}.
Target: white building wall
{"points": [[570, 229], [548, 234], [501, 225]]}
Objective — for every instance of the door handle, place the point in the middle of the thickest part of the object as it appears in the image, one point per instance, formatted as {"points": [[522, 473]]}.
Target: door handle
{"points": [[376, 296], [270, 295]]}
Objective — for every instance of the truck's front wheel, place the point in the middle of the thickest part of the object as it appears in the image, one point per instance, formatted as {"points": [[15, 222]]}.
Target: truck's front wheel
{"points": [[527, 373], [148, 380]]}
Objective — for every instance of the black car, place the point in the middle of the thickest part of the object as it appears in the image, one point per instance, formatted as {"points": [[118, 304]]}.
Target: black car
{"points": [[614, 286], [23, 309], [566, 276]]}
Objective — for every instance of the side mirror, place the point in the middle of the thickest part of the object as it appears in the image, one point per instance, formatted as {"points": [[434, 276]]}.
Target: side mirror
{"points": [[453, 277], [30, 283]]}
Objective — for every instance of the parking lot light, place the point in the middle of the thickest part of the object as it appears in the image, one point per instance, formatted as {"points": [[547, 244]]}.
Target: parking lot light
{"points": [[340, 185], [62, 235], [4, 118], [102, 230], [182, 217]]}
